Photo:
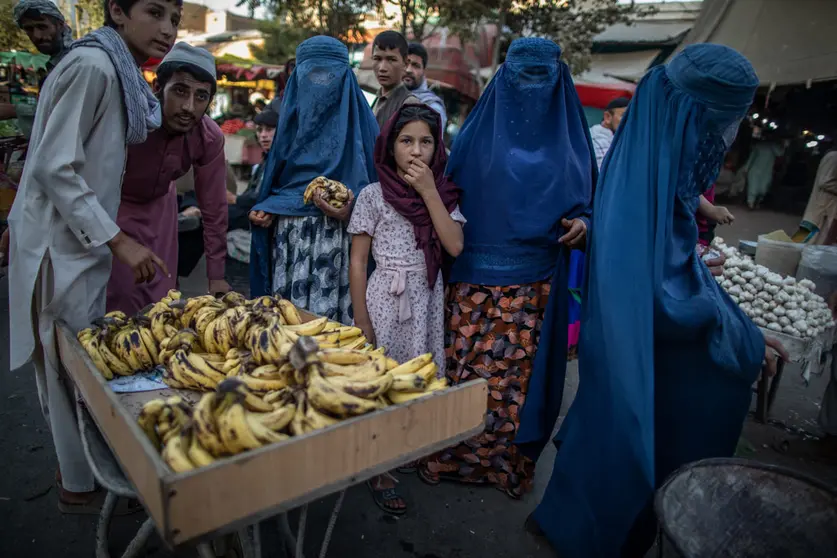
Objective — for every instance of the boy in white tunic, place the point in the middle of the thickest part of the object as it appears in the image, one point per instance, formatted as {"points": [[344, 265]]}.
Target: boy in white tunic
{"points": [[63, 230]]}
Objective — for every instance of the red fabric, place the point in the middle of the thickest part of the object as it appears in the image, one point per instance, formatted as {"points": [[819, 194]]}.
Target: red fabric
{"points": [[407, 202], [702, 222], [600, 95]]}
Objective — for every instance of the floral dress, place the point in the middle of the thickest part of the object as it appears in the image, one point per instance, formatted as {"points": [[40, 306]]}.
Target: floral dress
{"points": [[407, 315]]}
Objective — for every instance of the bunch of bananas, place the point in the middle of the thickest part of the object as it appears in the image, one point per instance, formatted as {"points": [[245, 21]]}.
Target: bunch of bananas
{"points": [[224, 422], [315, 388], [333, 192], [121, 346], [247, 339]]}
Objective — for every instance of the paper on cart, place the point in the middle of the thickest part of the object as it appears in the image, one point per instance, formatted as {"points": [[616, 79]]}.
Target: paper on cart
{"points": [[144, 381]]}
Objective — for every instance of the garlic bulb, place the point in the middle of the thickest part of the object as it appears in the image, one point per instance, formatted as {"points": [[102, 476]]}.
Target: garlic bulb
{"points": [[790, 330], [808, 284]]}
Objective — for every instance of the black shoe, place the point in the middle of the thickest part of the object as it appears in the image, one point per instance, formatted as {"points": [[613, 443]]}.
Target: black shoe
{"points": [[188, 223]]}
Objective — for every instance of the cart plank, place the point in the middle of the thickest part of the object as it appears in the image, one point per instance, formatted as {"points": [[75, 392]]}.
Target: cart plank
{"points": [[276, 478], [137, 457]]}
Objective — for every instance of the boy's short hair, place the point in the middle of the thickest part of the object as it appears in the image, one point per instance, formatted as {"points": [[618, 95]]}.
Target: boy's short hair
{"points": [[126, 6], [392, 40], [617, 103], [417, 49]]}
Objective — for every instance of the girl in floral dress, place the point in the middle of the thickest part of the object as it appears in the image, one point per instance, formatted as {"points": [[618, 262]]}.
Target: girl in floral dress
{"points": [[406, 220]]}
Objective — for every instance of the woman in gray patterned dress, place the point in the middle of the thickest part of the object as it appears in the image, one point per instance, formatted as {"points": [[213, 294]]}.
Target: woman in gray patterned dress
{"points": [[301, 251]]}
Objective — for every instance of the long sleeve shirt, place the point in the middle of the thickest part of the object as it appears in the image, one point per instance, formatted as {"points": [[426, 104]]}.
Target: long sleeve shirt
{"points": [[148, 212], [602, 138], [66, 205]]}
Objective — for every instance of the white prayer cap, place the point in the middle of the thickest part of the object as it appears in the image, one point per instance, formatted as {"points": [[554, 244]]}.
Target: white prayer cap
{"points": [[186, 54]]}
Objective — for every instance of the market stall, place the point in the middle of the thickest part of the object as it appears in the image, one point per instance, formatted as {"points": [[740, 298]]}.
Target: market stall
{"points": [[297, 464], [766, 281]]}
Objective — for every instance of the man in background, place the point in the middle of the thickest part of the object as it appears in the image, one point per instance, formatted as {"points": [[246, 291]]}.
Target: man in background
{"points": [[389, 59], [46, 27], [602, 134], [416, 81]]}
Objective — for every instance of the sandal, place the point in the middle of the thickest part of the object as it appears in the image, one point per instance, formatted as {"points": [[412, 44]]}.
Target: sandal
{"points": [[513, 494], [409, 468], [382, 496], [429, 478]]}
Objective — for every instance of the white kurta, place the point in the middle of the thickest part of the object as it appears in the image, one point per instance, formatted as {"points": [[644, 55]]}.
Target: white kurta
{"points": [[63, 216]]}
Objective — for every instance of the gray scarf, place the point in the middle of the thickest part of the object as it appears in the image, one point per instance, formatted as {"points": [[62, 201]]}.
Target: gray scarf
{"points": [[142, 108]]}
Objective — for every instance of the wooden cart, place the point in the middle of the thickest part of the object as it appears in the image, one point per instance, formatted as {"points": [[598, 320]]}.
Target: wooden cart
{"points": [[241, 490]]}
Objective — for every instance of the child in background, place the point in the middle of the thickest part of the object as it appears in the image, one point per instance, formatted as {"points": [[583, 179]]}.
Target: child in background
{"points": [[709, 216], [406, 220]]}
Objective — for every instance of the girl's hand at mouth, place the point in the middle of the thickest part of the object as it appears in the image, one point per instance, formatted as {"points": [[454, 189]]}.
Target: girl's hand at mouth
{"points": [[421, 178]]}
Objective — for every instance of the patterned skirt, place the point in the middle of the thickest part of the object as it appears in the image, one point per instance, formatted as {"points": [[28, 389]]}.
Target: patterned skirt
{"points": [[492, 333], [311, 256]]}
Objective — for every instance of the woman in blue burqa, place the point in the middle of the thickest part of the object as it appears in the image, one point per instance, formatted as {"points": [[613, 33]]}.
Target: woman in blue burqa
{"points": [[301, 251], [526, 168], [667, 360]]}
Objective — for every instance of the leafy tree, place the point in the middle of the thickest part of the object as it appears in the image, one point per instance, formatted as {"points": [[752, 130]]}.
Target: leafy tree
{"points": [[336, 18], [280, 42], [11, 37], [90, 15], [571, 23], [417, 19]]}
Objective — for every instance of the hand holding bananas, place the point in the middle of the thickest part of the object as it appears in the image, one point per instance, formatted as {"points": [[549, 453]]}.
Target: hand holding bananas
{"points": [[321, 387], [331, 197]]}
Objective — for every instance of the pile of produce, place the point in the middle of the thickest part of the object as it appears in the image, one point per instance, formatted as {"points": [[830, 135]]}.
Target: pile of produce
{"points": [[333, 192], [233, 419], [201, 329], [267, 375], [774, 302]]}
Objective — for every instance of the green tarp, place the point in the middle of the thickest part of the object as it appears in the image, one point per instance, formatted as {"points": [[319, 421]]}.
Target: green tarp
{"points": [[26, 59]]}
